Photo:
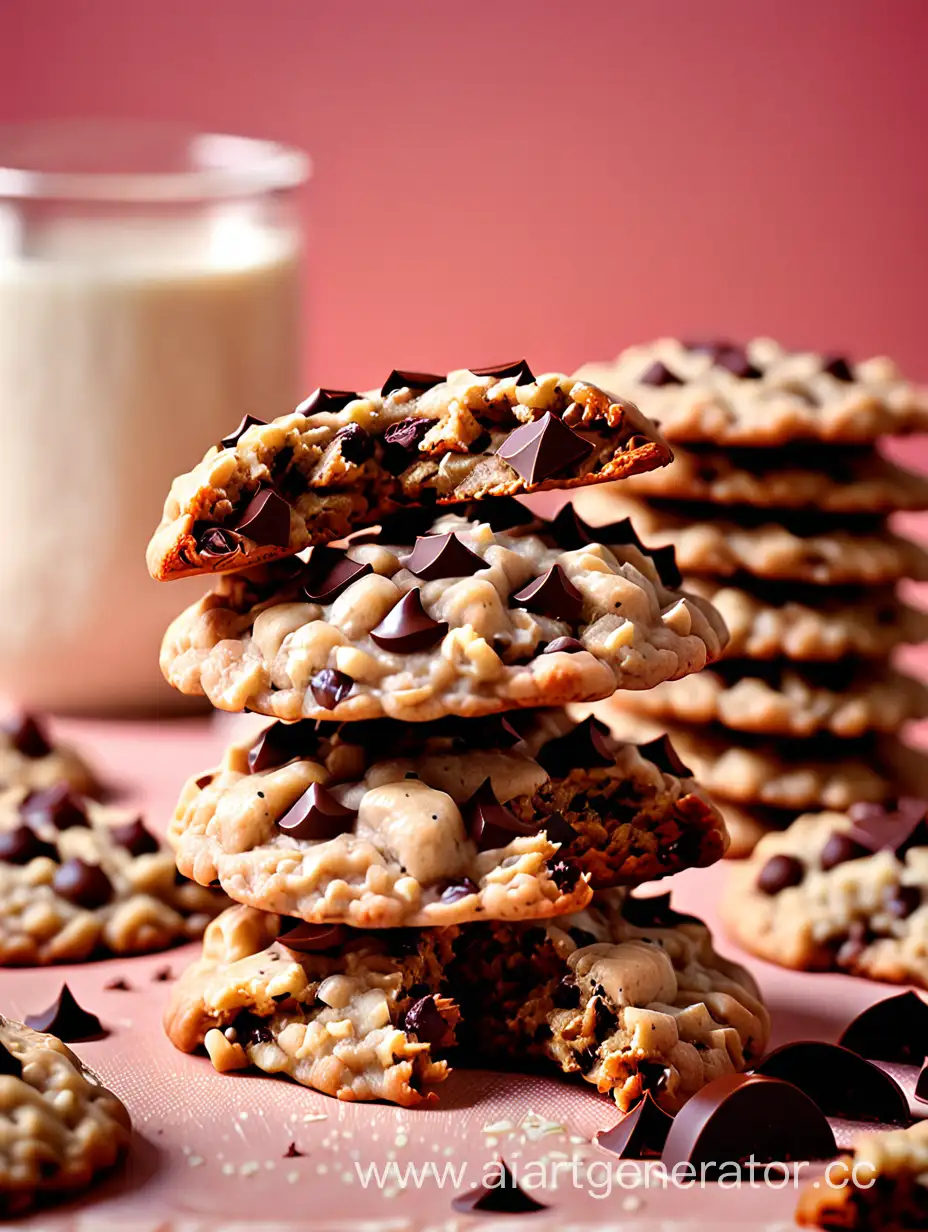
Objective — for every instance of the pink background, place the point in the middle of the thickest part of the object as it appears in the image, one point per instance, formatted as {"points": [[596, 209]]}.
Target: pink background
{"points": [[506, 176]]}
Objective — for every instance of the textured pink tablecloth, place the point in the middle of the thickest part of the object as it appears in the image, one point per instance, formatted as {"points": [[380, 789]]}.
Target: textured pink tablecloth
{"points": [[209, 1149]]}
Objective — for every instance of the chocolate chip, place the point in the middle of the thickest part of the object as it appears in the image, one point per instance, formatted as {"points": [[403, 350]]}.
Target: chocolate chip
{"points": [[540, 449], [558, 830], [66, 1019], [407, 627], [662, 754], [566, 995], [265, 520], [408, 433], [738, 1117], [330, 687], [56, 806], [424, 1020], [418, 382], [490, 824], [839, 849], [505, 1198], [456, 890], [317, 816], [22, 844], [518, 369], [27, 736], [584, 747], [118, 985], [329, 572], [163, 975], [659, 374], [293, 1152], [282, 742], [354, 443], [203, 781], [216, 542], [230, 441], [838, 367], [618, 534], [735, 359], [654, 911], [900, 901], [133, 836], [569, 531], [553, 594], [839, 1081], [640, 1134], [894, 1029], [859, 937], [9, 1064], [85, 885], [442, 556], [305, 938], [879, 827], [779, 873], [327, 400], [604, 1018], [564, 645]]}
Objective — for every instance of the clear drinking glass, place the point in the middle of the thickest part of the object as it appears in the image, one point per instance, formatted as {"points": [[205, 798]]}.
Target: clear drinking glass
{"points": [[149, 298]]}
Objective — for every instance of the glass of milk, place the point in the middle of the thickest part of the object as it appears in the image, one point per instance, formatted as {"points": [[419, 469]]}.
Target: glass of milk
{"points": [[149, 298]]}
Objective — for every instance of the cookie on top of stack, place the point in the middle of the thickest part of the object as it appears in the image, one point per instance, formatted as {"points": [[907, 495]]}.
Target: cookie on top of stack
{"points": [[778, 505], [416, 840]]}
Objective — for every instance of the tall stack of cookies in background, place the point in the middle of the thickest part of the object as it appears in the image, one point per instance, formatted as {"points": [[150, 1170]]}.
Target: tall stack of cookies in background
{"points": [[778, 504], [415, 841]]}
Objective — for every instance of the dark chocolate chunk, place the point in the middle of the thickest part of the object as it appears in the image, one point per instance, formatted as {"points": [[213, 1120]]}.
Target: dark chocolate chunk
{"points": [[566, 995], [294, 1152], [502, 513], [282, 742], [265, 520], [248, 421], [330, 687], [564, 875], [569, 531], [56, 806], [27, 736], [900, 901], [841, 1082], [506, 1198], [490, 824], [305, 938], [779, 873], [329, 572], [839, 849], [407, 434], [640, 1134], [618, 534], [895, 1029], [558, 830], [442, 556], [878, 827], [66, 1019], [204, 780], [553, 594], [407, 627], [85, 885], [216, 541], [164, 975], [564, 645], [585, 747], [921, 1085], [9, 1064], [659, 374], [119, 984], [424, 1020], [661, 752], [540, 449], [133, 836], [665, 562], [654, 911], [518, 369], [22, 844], [654, 1076], [327, 400], [418, 382], [354, 443], [838, 367], [735, 359], [456, 890], [401, 527], [316, 816], [738, 1117]]}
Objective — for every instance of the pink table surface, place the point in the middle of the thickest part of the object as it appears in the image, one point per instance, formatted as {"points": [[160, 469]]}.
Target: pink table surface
{"points": [[208, 1152]]}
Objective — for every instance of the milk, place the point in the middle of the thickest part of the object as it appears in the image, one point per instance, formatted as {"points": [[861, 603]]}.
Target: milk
{"points": [[126, 349]]}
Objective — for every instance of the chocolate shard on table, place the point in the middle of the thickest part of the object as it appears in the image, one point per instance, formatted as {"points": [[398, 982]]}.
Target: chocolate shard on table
{"points": [[841, 1082], [641, 1133], [341, 462], [67, 1019], [895, 1029], [503, 1198]]}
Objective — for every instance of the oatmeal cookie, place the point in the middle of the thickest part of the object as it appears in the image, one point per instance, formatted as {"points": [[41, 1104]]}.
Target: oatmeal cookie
{"points": [[354, 1014], [799, 476], [760, 394], [383, 824], [470, 621], [342, 460], [845, 698], [30, 758], [839, 891], [60, 1126], [79, 880], [881, 1187], [821, 549]]}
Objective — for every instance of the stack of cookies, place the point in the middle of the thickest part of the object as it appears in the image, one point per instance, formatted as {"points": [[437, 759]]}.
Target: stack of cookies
{"points": [[778, 504], [428, 854]]}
